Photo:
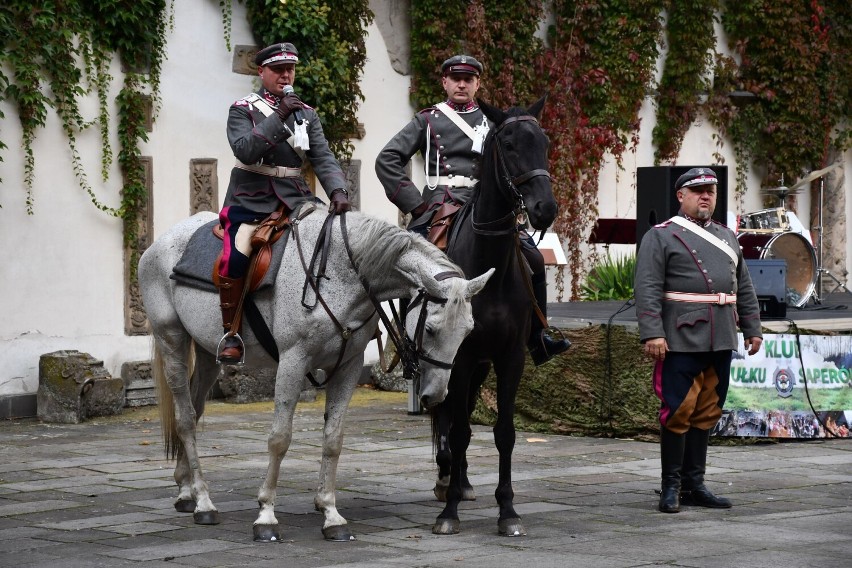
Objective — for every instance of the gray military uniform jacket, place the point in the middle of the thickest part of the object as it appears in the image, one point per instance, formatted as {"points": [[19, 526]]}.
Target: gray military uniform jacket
{"points": [[259, 139], [674, 259], [450, 154]]}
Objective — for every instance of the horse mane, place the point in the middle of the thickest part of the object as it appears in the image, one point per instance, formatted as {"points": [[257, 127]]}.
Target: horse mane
{"points": [[377, 245]]}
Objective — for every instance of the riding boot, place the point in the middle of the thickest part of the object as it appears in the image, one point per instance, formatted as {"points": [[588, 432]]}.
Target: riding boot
{"points": [[541, 345], [230, 346], [694, 492], [671, 459]]}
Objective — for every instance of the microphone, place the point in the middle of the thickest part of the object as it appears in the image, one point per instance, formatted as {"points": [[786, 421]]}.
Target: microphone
{"points": [[297, 113]]}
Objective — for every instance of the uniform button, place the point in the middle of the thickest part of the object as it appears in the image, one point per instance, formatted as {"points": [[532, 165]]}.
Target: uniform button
{"points": [[437, 136], [709, 280], [712, 291], [449, 166], [700, 261], [694, 251], [704, 271], [440, 147]]}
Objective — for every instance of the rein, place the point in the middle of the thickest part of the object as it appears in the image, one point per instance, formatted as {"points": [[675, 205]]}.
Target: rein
{"points": [[501, 171], [409, 350], [323, 242]]}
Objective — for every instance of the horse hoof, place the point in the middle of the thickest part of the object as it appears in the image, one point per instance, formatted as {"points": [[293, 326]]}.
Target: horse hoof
{"points": [[206, 517], [338, 533], [446, 526], [511, 527], [185, 505], [440, 493], [468, 494], [266, 533]]}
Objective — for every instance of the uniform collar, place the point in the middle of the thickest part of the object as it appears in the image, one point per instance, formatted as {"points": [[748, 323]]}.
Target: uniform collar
{"points": [[270, 98], [467, 107], [699, 222]]}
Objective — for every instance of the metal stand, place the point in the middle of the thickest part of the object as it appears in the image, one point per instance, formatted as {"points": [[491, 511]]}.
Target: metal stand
{"points": [[817, 293]]}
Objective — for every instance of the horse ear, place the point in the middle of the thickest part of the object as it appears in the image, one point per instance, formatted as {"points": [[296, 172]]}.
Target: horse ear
{"points": [[476, 285], [537, 107], [493, 114]]}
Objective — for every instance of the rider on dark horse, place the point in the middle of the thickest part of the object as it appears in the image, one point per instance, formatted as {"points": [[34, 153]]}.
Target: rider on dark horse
{"points": [[271, 132], [450, 137]]}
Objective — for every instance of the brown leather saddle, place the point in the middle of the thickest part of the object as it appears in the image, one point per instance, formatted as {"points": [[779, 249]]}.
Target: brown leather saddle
{"points": [[268, 232]]}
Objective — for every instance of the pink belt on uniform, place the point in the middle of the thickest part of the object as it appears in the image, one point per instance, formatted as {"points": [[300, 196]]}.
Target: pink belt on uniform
{"points": [[720, 298]]}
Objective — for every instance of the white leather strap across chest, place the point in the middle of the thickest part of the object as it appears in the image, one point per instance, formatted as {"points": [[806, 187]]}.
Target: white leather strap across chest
{"points": [[707, 236]]}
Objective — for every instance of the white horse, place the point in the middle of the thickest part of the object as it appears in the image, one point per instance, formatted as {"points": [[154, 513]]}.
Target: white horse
{"points": [[332, 336]]}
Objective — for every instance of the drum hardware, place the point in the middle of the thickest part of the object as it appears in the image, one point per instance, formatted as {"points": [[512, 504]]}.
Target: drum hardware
{"points": [[795, 250], [820, 270], [781, 192]]}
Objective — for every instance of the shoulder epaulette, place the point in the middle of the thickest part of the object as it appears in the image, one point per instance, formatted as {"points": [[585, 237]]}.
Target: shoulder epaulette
{"points": [[665, 223], [247, 100]]}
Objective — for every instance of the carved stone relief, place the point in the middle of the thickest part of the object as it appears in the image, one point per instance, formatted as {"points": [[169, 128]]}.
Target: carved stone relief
{"points": [[393, 18], [203, 185], [135, 319], [243, 61], [352, 170]]}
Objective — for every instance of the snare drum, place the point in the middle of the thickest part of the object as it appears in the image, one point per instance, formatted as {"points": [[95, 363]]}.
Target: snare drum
{"points": [[792, 247], [765, 221]]}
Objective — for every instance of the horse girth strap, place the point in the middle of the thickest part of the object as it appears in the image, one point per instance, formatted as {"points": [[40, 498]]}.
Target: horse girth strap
{"points": [[525, 274]]}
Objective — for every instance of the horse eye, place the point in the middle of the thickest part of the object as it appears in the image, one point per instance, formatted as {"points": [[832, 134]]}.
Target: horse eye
{"points": [[430, 330]]}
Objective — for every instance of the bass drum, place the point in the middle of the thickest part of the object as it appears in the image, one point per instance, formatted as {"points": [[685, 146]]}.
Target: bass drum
{"points": [[796, 250]]}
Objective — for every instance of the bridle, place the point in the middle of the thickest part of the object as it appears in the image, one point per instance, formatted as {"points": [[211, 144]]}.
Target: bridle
{"points": [[512, 183], [410, 350]]}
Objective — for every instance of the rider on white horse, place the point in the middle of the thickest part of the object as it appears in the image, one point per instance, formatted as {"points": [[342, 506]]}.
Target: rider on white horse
{"points": [[271, 132]]}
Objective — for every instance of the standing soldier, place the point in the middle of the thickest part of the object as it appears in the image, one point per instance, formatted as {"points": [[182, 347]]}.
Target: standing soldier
{"points": [[450, 136], [692, 290], [271, 133]]}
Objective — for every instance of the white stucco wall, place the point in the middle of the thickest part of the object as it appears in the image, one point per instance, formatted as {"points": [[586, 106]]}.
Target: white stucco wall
{"points": [[61, 270]]}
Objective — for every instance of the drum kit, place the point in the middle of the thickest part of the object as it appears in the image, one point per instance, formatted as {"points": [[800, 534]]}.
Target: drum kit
{"points": [[776, 233]]}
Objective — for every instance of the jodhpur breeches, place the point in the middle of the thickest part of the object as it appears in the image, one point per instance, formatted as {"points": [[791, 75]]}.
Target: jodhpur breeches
{"points": [[692, 388]]}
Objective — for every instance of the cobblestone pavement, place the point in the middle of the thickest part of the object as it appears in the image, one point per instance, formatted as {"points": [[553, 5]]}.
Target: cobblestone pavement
{"points": [[100, 494]]}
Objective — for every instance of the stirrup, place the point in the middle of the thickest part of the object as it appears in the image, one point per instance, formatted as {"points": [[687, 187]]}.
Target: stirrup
{"points": [[242, 349]]}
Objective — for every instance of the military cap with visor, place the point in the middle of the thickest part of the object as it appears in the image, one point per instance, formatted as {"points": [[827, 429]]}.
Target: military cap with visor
{"points": [[461, 64], [696, 176], [277, 54]]}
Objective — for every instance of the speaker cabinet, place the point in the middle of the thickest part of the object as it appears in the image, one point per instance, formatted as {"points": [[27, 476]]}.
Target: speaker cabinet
{"points": [[656, 199]]}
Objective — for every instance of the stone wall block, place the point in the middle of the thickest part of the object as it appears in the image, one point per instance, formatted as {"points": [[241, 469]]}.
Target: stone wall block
{"points": [[74, 386]]}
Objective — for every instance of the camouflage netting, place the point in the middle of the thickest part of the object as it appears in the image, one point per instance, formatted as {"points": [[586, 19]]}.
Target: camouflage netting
{"points": [[575, 393], [579, 393]]}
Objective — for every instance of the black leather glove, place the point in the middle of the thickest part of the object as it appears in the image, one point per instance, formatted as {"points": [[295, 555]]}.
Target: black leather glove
{"points": [[339, 202], [288, 104]]}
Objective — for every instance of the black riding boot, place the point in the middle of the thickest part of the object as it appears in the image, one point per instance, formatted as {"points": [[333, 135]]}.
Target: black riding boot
{"points": [[671, 458], [542, 346], [694, 464]]}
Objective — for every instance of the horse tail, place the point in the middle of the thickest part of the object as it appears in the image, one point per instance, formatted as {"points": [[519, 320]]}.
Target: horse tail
{"points": [[165, 399]]}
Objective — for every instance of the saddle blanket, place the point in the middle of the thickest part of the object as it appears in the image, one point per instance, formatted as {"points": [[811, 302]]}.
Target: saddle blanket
{"points": [[195, 267]]}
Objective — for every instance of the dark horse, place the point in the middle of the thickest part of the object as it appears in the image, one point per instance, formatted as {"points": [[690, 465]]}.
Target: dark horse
{"points": [[514, 183]]}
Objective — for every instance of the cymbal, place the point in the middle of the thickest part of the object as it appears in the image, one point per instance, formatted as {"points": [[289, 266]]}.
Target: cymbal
{"points": [[815, 175], [779, 190]]}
